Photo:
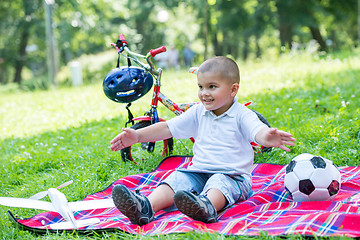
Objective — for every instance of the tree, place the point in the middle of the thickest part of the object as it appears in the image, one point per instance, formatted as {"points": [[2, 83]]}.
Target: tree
{"points": [[18, 32], [358, 21], [286, 22], [341, 22], [235, 27]]}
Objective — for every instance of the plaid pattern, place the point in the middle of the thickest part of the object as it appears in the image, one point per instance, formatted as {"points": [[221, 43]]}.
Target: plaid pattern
{"points": [[269, 210]]}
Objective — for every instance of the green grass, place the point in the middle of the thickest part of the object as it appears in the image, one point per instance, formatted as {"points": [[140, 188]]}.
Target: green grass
{"points": [[50, 137]]}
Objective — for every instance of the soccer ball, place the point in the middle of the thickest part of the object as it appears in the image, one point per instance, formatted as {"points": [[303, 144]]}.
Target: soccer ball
{"points": [[312, 178]]}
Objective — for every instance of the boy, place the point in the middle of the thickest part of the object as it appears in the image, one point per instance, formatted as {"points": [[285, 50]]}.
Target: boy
{"points": [[220, 174]]}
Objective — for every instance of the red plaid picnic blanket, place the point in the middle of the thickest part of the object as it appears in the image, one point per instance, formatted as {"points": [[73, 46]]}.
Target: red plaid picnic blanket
{"points": [[269, 209]]}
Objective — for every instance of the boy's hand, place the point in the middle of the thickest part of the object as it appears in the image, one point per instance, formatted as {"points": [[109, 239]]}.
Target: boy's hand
{"points": [[272, 137], [129, 136], [125, 139]]}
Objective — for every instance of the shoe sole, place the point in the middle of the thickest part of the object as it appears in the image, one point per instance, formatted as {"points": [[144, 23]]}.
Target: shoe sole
{"points": [[188, 205], [123, 200]]}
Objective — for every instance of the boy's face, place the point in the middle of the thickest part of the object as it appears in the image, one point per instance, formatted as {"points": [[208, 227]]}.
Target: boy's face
{"points": [[215, 93]]}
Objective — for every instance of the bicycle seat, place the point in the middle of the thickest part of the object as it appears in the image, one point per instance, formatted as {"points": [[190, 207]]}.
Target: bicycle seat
{"points": [[127, 84]]}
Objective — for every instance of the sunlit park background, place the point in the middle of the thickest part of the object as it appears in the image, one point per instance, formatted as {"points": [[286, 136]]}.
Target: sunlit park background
{"points": [[299, 61]]}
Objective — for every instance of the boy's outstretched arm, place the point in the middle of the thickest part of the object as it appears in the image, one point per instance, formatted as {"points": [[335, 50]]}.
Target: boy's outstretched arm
{"points": [[272, 137], [152, 133]]}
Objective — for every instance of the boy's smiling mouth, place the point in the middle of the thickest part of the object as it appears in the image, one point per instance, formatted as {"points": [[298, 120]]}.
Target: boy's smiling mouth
{"points": [[207, 101]]}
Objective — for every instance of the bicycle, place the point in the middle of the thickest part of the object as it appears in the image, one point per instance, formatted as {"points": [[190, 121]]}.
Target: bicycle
{"points": [[151, 116]]}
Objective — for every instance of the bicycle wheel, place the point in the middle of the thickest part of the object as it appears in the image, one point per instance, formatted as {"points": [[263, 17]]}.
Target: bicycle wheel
{"points": [[126, 153], [263, 119]]}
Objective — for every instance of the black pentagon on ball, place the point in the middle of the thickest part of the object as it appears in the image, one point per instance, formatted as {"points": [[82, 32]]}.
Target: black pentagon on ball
{"points": [[334, 187], [318, 162], [306, 186], [290, 166]]}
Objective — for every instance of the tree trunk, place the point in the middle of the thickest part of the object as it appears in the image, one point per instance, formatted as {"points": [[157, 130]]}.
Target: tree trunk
{"points": [[315, 32], [285, 35], [1, 71], [285, 25], [231, 46], [358, 21], [206, 28], [234, 48], [258, 49], [246, 48], [20, 61], [24, 29], [334, 40], [217, 45]]}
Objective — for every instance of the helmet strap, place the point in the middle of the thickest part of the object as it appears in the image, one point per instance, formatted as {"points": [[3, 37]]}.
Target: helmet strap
{"points": [[118, 61], [130, 115]]}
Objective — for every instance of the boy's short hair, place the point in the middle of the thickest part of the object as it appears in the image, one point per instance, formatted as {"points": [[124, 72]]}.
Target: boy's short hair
{"points": [[226, 67]]}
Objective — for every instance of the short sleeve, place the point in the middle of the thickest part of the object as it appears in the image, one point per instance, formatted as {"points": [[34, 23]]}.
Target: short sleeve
{"points": [[185, 125], [250, 124]]}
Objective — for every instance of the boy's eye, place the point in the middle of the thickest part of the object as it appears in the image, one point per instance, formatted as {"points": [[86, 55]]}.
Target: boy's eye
{"points": [[212, 86], [200, 87]]}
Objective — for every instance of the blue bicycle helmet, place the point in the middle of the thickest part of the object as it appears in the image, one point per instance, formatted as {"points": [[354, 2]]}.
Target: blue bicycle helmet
{"points": [[127, 84]]}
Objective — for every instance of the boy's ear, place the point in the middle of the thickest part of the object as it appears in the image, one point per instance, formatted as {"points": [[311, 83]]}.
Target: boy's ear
{"points": [[234, 89]]}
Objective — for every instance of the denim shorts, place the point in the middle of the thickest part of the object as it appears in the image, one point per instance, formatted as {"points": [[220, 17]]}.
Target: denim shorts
{"points": [[234, 188]]}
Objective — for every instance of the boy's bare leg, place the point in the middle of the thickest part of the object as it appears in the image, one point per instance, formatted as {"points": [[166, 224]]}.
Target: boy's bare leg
{"points": [[162, 197], [216, 198]]}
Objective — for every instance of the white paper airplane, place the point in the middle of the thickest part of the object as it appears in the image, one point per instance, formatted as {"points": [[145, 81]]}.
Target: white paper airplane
{"points": [[60, 204]]}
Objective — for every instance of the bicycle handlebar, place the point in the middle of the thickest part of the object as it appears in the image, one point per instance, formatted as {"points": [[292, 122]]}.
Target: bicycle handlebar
{"points": [[154, 52], [122, 45], [122, 37]]}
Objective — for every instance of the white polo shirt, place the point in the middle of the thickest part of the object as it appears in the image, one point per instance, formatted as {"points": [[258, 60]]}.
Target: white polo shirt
{"points": [[222, 143]]}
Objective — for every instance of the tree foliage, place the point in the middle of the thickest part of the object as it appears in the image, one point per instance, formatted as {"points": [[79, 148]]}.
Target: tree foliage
{"points": [[240, 28]]}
